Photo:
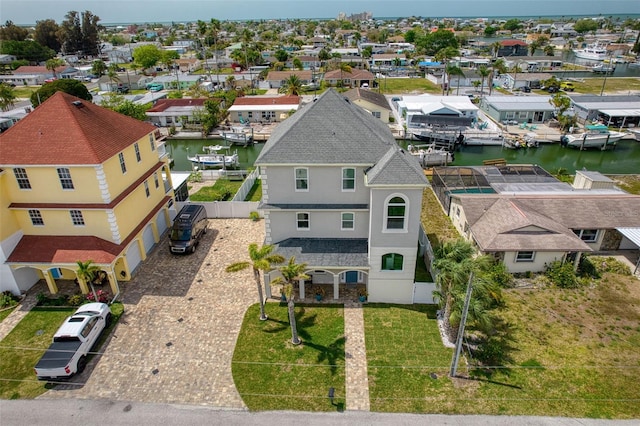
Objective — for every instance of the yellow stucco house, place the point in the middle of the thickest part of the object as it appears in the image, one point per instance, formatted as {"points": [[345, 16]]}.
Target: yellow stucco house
{"points": [[79, 182]]}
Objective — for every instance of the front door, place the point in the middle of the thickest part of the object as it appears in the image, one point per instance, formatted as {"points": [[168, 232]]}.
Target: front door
{"points": [[538, 116], [351, 277]]}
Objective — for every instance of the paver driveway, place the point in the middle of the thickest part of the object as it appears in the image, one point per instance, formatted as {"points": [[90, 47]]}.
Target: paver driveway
{"points": [[175, 342]]}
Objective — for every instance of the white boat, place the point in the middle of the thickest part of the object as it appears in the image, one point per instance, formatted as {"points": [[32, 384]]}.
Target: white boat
{"points": [[212, 159], [595, 136], [635, 133], [603, 68], [237, 136], [634, 64], [429, 155], [593, 52]]}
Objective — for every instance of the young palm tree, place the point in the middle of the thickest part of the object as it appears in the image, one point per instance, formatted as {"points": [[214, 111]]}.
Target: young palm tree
{"points": [[291, 272], [456, 71], [262, 259], [87, 272], [484, 73], [52, 64], [344, 67], [292, 86]]}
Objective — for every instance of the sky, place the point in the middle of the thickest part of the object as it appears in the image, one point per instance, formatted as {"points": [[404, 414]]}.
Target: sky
{"points": [[25, 12]]}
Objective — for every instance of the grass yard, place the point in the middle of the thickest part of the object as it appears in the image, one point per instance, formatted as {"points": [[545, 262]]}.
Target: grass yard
{"points": [[5, 313], [255, 194], [405, 86], [23, 347], [593, 85], [576, 353], [629, 183], [435, 222], [272, 374], [222, 190]]}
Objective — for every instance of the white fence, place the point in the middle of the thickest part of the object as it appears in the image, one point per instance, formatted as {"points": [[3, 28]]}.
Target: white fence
{"points": [[226, 209]]}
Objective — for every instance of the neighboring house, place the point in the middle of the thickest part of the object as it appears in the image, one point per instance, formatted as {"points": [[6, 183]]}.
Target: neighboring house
{"points": [[340, 195], [525, 218], [612, 110], [188, 64], [513, 48], [387, 61], [100, 190], [32, 74], [523, 109], [122, 81], [514, 81], [355, 78], [420, 111], [277, 79], [175, 112], [178, 82], [309, 62], [263, 108], [373, 102]]}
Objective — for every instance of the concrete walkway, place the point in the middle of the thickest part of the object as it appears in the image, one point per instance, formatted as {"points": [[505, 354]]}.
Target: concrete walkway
{"points": [[16, 316], [356, 375]]}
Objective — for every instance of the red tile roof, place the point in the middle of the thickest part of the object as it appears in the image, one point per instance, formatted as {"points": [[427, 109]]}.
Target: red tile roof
{"points": [[37, 69], [68, 130], [267, 100], [163, 104], [513, 43]]}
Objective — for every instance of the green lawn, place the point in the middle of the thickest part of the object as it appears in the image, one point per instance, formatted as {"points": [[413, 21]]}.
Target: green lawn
{"points": [[5, 313], [435, 222], [255, 194], [272, 374], [222, 190], [407, 85], [575, 353], [23, 347]]}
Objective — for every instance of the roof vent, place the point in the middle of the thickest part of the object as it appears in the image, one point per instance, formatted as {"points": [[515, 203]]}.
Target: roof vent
{"points": [[77, 104]]}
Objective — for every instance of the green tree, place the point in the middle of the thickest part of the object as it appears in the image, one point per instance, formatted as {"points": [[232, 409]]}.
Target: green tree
{"points": [[86, 272], [10, 31], [281, 55], [489, 31], [533, 47], [52, 64], [67, 85], [323, 56], [291, 272], [495, 48], [562, 103], [46, 34], [297, 63], [434, 42], [127, 107], [28, 50], [147, 56], [585, 25], [444, 55], [453, 70], [484, 72], [261, 259], [79, 33], [98, 67], [292, 85], [512, 24], [7, 97], [549, 50]]}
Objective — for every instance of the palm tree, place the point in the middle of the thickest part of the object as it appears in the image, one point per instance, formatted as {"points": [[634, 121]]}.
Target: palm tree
{"points": [[87, 272], [443, 55], [484, 72], [495, 48], [261, 260], [344, 67], [453, 70], [291, 273], [52, 64], [292, 85]]}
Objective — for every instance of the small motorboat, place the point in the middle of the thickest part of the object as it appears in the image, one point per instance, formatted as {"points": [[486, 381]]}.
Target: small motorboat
{"points": [[429, 155], [211, 158]]}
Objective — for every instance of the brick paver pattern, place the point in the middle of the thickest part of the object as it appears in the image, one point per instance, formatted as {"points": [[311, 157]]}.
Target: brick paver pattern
{"points": [[356, 375]]}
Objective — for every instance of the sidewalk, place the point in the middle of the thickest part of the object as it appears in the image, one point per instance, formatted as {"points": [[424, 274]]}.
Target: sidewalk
{"points": [[356, 375]]}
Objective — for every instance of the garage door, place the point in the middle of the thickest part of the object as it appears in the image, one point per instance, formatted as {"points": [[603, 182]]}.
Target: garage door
{"points": [[133, 256], [147, 237], [161, 221]]}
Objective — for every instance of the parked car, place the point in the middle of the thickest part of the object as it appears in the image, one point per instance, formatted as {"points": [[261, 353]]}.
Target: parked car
{"points": [[155, 87], [73, 341], [189, 226], [567, 86]]}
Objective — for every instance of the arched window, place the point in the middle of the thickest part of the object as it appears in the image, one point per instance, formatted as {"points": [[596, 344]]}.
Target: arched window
{"points": [[396, 210], [392, 262]]}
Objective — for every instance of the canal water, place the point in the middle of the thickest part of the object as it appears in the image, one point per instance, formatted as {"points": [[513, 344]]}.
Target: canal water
{"points": [[624, 159]]}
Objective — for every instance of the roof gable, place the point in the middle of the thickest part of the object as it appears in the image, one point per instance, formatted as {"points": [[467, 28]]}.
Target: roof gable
{"points": [[68, 130], [396, 167]]}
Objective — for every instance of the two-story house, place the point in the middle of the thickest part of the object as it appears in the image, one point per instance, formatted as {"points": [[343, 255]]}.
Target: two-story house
{"points": [[341, 196], [79, 182]]}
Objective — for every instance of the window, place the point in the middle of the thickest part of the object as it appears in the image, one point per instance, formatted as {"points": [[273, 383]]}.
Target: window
{"points": [[587, 235], [137, 149], [152, 143], [525, 256], [348, 179], [302, 220], [123, 166], [155, 179], [392, 262], [146, 188], [36, 218], [65, 178], [22, 178], [396, 214], [76, 217], [250, 115], [376, 114], [348, 221], [457, 211], [89, 326], [302, 179]]}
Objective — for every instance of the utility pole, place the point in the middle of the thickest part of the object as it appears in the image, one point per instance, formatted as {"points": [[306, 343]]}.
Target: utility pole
{"points": [[463, 320]]}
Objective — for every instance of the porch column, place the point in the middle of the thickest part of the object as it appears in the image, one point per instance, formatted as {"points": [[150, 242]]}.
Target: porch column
{"points": [[143, 251], [267, 284], [51, 282], [336, 286], [113, 282], [577, 261], [84, 288], [301, 284]]}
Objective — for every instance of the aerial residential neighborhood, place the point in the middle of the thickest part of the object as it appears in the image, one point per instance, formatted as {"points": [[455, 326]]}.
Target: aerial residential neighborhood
{"points": [[428, 215]]}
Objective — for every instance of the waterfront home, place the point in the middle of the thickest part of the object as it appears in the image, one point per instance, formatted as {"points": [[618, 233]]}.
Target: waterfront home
{"points": [[176, 112], [79, 182], [611, 110], [263, 108], [419, 111], [373, 102], [340, 195], [355, 78], [517, 109], [277, 79]]}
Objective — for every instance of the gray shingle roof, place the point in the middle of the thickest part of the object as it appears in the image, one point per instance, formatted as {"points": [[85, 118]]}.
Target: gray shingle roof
{"points": [[331, 130], [369, 96], [316, 252], [396, 167]]}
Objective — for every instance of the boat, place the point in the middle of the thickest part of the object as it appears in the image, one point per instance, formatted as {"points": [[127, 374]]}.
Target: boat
{"points": [[529, 140], [595, 136], [594, 52], [237, 136], [635, 133], [634, 64], [429, 155], [212, 159], [602, 68]]}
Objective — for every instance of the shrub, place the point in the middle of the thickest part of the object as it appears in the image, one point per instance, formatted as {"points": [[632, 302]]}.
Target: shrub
{"points": [[562, 274], [76, 300], [7, 299], [500, 275], [254, 216], [102, 297], [586, 268]]}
